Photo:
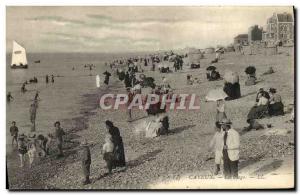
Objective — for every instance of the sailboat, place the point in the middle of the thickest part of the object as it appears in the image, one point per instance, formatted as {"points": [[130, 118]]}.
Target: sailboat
{"points": [[19, 58]]}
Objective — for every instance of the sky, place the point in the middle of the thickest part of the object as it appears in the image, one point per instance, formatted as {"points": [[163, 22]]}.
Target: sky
{"points": [[102, 29]]}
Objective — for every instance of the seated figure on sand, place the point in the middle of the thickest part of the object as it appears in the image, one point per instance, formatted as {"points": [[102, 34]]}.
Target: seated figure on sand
{"points": [[231, 85], [251, 76], [260, 109], [156, 126], [253, 125], [189, 79], [276, 106], [212, 74]]}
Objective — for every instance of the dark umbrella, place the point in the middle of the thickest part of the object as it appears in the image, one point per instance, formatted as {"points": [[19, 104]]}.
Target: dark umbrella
{"points": [[250, 70]]}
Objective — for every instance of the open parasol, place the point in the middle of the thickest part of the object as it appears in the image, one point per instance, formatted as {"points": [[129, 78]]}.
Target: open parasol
{"points": [[216, 94]]}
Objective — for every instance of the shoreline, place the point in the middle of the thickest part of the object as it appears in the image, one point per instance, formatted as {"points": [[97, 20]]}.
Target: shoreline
{"points": [[77, 124]]}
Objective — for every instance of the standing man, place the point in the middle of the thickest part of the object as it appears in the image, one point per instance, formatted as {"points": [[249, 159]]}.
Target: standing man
{"points": [[230, 150], [9, 97], [52, 78], [36, 97], [23, 88], [86, 162], [32, 112], [47, 79], [130, 98], [14, 133], [106, 78], [59, 133]]}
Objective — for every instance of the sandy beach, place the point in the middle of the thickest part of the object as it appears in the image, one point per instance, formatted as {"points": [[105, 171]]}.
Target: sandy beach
{"points": [[180, 157]]}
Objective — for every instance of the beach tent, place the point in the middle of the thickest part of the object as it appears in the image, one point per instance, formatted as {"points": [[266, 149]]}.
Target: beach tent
{"points": [[194, 56]]}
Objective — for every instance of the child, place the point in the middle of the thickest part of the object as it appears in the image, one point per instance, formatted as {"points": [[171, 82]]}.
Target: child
{"points": [[108, 153], [216, 144], [31, 151], [220, 110], [86, 162], [22, 149], [14, 133]]}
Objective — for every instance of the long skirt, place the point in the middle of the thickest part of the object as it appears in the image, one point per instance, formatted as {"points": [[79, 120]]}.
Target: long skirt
{"points": [[258, 112], [86, 168], [109, 159], [232, 90], [119, 153], [276, 109]]}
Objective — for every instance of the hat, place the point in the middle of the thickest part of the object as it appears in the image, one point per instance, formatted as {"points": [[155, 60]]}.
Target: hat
{"points": [[225, 121], [22, 136], [272, 90], [84, 143], [57, 122], [32, 135]]}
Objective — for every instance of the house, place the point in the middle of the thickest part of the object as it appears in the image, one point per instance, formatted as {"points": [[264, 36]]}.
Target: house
{"points": [[241, 39], [255, 34], [280, 29]]}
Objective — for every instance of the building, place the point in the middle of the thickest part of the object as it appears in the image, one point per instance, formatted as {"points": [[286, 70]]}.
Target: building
{"points": [[241, 39], [280, 29], [255, 33]]}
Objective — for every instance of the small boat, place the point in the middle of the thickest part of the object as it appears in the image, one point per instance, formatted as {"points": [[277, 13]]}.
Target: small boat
{"points": [[38, 61], [19, 58]]}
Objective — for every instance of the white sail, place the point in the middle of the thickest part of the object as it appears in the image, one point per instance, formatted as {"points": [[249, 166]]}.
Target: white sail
{"points": [[18, 55]]}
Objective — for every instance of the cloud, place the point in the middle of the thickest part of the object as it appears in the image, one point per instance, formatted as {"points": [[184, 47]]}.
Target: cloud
{"points": [[114, 29], [108, 42], [105, 18], [56, 19]]}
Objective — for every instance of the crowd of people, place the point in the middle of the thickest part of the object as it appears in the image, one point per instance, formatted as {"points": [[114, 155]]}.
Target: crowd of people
{"points": [[225, 142]]}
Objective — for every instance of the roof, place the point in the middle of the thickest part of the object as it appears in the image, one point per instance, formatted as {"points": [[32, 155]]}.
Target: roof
{"points": [[285, 17], [242, 36]]}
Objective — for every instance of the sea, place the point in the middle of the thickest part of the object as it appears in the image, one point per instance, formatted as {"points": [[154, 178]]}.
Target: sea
{"points": [[59, 100]]}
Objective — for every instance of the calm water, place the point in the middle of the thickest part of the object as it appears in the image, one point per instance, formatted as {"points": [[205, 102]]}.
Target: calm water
{"points": [[60, 100]]}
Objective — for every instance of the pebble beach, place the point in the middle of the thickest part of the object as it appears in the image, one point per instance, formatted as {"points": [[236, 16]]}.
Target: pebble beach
{"points": [[179, 160]]}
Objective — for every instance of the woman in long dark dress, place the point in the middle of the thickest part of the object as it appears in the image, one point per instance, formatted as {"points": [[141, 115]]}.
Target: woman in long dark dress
{"points": [[118, 144], [260, 110], [232, 90], [276, 106]]}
